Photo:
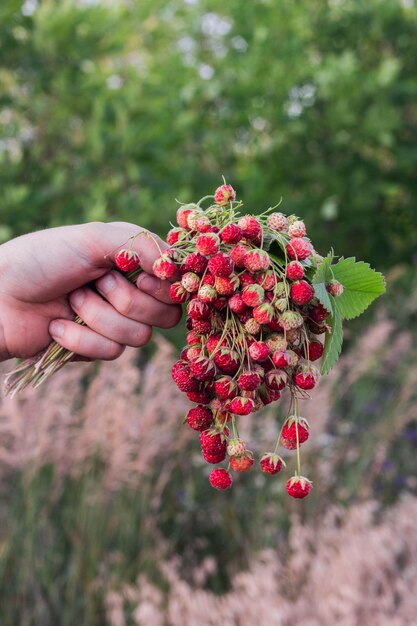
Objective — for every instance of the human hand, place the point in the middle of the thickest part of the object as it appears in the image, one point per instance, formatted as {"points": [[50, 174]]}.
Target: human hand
{"points": [[47, 277]]}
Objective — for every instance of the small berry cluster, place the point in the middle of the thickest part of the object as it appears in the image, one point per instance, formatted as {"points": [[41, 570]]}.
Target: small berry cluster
{"points": [[253, 322]]}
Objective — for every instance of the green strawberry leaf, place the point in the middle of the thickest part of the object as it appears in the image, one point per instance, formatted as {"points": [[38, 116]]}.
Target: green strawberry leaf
{"points": [[320, 278], [333, 342], [362, 285], [274, 244]]}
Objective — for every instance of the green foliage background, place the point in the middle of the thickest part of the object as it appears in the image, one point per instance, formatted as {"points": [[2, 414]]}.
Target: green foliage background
{"points": [[111, 110]]}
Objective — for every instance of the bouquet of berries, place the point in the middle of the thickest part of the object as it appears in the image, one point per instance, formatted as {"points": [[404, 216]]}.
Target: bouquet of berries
{"points": [[263, 308], [258, 299]]}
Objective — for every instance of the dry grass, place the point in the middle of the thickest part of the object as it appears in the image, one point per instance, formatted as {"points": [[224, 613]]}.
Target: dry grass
{"points": [[348, 569], [125, 413]]}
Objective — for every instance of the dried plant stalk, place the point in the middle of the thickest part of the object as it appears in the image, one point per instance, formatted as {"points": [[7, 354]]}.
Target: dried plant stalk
{"points": [[34, 371]]}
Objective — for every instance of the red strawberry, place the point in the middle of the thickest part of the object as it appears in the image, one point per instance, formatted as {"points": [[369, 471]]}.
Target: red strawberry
{"points": [[193, 338], [200, 418], [268, 395], [202, 224], [214, 458], [289, 432], [225, 387], [301, 292], [285, 358], [227, 360], [220, 304], [208, 244], [127, 260], [241, 405], [271, 463], [253, 295], [183, 213], [264, 313], [220, 479], [164, 268], [275, 326], [224, 194], [193, 352], [236, 303], [183, 378], [318, 313], [306, 377], [203, 368], [226, 286], [249, 381], [238, 253], [221, 264], [178, 294], [195, 262], [215, 342], [276, 379], [198, 310], [314, 351], [294, 271], [250, 227], [242, 463], [231, 234], [208, 279], [174, 235], [317, 329], [213, 442], [299, 249], [267, 280], [256, 261], [247, 279], [201, 397], [298, 487], [259, 351], [202, 327]]}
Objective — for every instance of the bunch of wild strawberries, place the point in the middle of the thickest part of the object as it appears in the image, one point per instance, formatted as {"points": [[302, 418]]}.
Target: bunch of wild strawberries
{"points": [[253, 323]]}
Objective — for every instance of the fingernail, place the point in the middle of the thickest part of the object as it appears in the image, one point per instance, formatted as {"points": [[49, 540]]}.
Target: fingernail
{"points": [[56, 329], [149, 283], [77, 298], [106, 284]]}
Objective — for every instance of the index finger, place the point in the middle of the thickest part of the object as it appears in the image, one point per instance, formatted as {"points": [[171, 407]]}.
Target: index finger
{"points": [[155, 287]]}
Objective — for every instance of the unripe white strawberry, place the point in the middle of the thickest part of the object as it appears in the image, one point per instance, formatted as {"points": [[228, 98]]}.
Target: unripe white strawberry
{"points": [[236, 447], [297, 229], [207, 293], [291, 319], [278, 222], [276, 341], [190, 282], [252, 326]]}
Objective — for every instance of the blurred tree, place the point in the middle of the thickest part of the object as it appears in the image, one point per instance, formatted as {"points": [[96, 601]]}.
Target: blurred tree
{"points": [[112, 110]]}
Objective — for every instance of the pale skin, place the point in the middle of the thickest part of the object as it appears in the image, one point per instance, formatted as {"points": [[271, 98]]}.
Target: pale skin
{"points": [[48, 277]]}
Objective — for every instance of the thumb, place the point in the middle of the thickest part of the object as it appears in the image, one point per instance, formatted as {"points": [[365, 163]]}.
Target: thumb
{"points": [[55, 261]]}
